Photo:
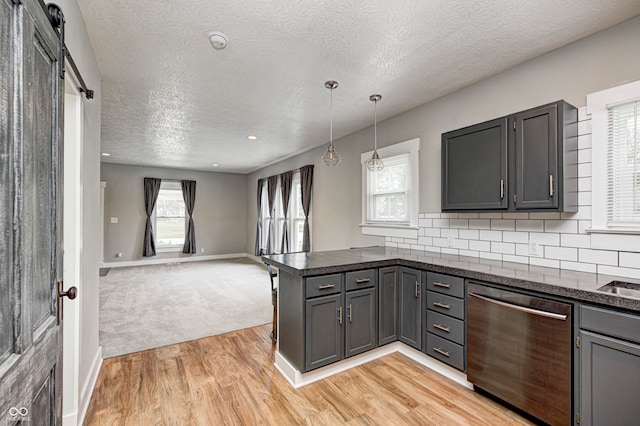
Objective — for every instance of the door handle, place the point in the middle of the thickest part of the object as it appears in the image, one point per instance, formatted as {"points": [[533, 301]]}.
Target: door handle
{"points": [[417, 289], [340, 315], [550, 185], [501, 189], [72, 293], [532, 311], [349, 312]]}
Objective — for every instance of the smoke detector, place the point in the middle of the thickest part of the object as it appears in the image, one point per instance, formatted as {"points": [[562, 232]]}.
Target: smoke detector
{"points": [[218, 40]]}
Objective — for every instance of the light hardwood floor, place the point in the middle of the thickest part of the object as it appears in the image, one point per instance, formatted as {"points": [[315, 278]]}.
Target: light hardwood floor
{"points": [[230, 379]]}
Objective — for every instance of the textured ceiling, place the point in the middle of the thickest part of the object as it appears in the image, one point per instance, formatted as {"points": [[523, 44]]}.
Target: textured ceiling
{"points": [[171, 100]]}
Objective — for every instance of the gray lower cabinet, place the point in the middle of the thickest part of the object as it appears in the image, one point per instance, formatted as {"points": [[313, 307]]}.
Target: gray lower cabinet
{"points": [[360, 322], [410, 306], [387, 305], [323, 322], [610, 367]]}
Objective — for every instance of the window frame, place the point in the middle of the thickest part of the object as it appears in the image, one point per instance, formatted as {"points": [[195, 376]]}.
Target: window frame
{"points": [[392, 228], [598, 105], [172, 185]]}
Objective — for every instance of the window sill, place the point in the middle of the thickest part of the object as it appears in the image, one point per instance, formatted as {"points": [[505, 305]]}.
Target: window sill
{"points": [[389, 230], [624, 231], [169, 249]]}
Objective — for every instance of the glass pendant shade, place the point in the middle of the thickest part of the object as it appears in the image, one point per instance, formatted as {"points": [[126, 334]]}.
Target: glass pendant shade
{"points": [[375, 164], [331, 156]]}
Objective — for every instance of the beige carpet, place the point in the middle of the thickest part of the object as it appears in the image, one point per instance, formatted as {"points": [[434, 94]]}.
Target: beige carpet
{"points": [[148, 307]]}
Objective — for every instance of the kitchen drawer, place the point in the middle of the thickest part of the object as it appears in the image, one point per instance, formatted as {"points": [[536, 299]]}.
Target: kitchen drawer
{"points": [[445, 284], [444, 304], [445, 351], [323, 285], [611, 323], [360, 279], [444, 326]]}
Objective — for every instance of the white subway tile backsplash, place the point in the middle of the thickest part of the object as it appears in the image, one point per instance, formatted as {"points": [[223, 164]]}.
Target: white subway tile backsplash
{"points": [[530, 225], [461, 244], [449, 251], [584, 198], [440, 223], [432, 215], [491, 235], [601, 257], [544, 262], [623, 272], [503, 224], [469, 234], [417, 247], [584, 141], [545, 239], [504, 248], [490, 216], [584, 184], [575, 240], [584, 127], [515, 259], [629, 260], [576, 266], [432, 249], [565, 226], [561, 253], [404, 246], [459, 223], [432, 232], [446, 233], [620, 242], [425, 241], [492, 256], [449, 215], [582, 114], [425, 223], [583, 225], [515, 237], [544, 215], [479, 224], [441, 242], [584, 170], [479, 245], [523, 249], [410, 241], [468, 215], [584, 212], [519, 216], [469, 253], [584, 155]]}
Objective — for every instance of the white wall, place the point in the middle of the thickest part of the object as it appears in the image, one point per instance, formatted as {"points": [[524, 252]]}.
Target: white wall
{"points": [[594, 63], [219, 213], [77, 41]]}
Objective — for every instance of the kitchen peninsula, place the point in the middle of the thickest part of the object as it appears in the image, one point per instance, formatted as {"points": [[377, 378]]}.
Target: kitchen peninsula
{"points": [[342, 308]]}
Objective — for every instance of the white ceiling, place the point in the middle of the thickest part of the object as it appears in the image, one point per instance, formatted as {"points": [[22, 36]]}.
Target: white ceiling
{"points": [[169, 99]]}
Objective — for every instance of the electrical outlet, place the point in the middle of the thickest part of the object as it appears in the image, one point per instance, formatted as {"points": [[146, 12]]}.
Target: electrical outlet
{"points": [[202, 250], [114, 220], [450, 241], [534, 249], [118, 254]]}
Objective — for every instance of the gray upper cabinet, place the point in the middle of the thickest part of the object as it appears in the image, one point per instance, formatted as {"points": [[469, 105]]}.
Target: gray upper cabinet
{"points": [[474, 167], [523, 162], [410, 304]]}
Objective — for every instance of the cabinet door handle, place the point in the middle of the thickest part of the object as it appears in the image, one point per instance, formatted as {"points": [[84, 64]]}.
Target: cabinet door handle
{"points": [[550, 185], [443, 285], [362, 280], [440, 327], [350, 312], [441, 305], [340, 315], [417, 289], [326, 286], [501, 189], [441, 352]]}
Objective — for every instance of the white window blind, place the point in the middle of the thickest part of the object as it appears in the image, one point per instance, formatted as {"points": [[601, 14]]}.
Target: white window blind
{"points": [[389, 191], [623, 165]]}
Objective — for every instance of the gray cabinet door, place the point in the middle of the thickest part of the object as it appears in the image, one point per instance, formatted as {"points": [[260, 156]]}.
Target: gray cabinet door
{"points": [[388, 305], [536, 165], [410, 303], [610, 381], [360, 331], [324, 319], [30, 216], [474, 167]]}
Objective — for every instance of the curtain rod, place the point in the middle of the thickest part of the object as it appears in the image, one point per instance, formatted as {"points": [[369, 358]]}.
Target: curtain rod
{"points": [[294, 170], [56, 18]]}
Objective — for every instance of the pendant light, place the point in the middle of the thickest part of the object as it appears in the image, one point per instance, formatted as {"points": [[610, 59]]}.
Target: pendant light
{"points": [[331, 156], [375, 164]]}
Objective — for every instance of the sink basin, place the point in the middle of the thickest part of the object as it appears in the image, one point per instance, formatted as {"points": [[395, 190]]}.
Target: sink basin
{"points": [[622, 288]]}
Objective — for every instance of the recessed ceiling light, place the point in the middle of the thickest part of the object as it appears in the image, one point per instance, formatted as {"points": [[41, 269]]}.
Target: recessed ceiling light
{"points": [[105, 154], [252, 137], [215, 165]]}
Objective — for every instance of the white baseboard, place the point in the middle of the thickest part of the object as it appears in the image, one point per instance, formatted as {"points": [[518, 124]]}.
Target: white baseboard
{"points": [[89, 385], [164, 261], [298, 379]]}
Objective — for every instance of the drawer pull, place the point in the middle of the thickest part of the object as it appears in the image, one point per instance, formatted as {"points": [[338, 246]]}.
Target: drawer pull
{"points": [[441, 352], [440, 327], [441, 305], [362, 280], [326, 286], [443, 285]]}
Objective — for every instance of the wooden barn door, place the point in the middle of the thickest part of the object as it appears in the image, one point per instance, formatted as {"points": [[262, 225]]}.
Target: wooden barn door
{"points": [[31, 95]]}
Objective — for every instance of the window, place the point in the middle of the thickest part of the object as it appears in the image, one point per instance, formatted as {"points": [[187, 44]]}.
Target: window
{"points": [[390, 196], [615, 115], [170, 220], [295, 213]]}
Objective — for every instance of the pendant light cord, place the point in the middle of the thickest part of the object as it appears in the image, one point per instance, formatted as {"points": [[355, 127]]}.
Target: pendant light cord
{"points": [[375, 126], [331, 118]]}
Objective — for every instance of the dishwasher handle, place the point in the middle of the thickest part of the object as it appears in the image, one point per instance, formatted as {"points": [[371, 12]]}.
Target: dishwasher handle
{"points": [[538, 312]]}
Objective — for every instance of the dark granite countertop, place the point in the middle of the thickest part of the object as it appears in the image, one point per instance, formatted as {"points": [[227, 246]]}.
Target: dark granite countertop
{"points": [[579, 286]]}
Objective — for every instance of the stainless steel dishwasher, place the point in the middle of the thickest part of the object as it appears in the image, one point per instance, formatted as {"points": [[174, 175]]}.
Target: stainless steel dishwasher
{"points": [[519, 349]]}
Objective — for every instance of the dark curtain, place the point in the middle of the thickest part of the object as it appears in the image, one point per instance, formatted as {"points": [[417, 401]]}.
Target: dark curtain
{"points": [[272, 182], [258, 250], [151, 191], [189, 196], [285, 190], [306, 182]]}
